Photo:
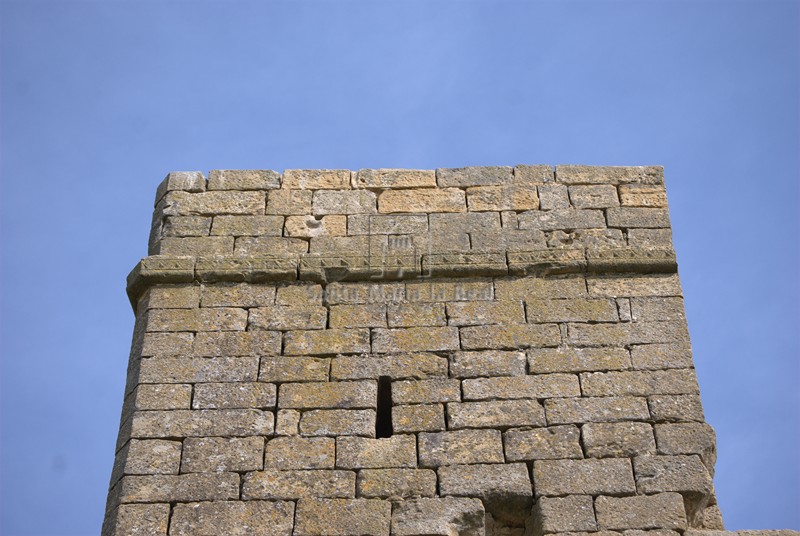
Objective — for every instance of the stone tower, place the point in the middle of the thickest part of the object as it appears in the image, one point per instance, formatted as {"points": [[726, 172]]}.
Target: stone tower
{"points": [[468, 351]]}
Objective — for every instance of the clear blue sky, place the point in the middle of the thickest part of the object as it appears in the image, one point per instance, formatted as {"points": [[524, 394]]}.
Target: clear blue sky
{"points": [[99, 99]]}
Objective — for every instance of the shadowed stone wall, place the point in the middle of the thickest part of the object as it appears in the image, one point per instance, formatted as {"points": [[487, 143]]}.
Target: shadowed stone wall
{"points": [[467, 351]]}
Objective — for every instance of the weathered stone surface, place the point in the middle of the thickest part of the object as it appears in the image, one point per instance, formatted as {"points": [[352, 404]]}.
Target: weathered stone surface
{"points": [[199, 423], [342, 517], [571, 174], [243, 179], [487, 363], [198, 369], [182, 488], [496, 198], [262, 246], [368, 453], [147, 457], [237, 295], [426, 391], [555, 442], [572, 513], [479, 313], [316, 179], [404, 483], [287, 202], [474, 176], [371, 315], [394, 178], [170, 297], [627, 333], [596, 409], [414, 339], [272, 484], [611, 476], [533, 174], [566, 310], [247, 226], [282, 369], [642, 195], [650, 238], [504, 489], [251, 518], [676, 408], [299, 294], [282, 317], [657, 309], [388, 224], [460, 447], [509, 336], [212, 203], [422, 200], [564, 359], [234, 395], [361, 394], [684, 474], [639, 383], [661, 356], [161, 396], [338, 422], [642, 285], [206, 319], [594, 196], [448, 291], [326, 342], [637, 217], [618, 440], [189, 181], [538, 287], [219, 454], [418, 418], [661, 511], [336, 293], [287, 422], [418, 366], [445, 516], [166, 344], [568, 218], [553, 196], [150, 519], [494, 414], [343, 202], [286, 453], [237, 343], [532, 387], [688, 438]]}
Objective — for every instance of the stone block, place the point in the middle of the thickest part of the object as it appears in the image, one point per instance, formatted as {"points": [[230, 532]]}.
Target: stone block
{"points": [[340, 395], [150, 519], [286, 453], [394, 178], [180, 488], [426, 391], [637, 217], [506, 197], [504, 489], [532, 387], [661, 511], [358, 316], [688, 438], [567, 218], [640, 285], [234, 395], [487, 363], [198, 369], [282, 369], [237, 295], [618, 440], [642, 195], [639, 383], [283, 317], [166, 344], [571, 174], [573, 513], [272, 484], [394, 483], [683, 474], [289, 202], [189, 181], [418, 366], [440, 516], [481, 313], [299, 294], [147, 457], [406, 315], [650, 238], [220, 454], [627, 333], [418, 418], [326, 342], [448, 291], [596, 409], [555, 442], [338, 422], [474, 176], [205, 319], [387, 224], [247, 226], [170, 297], [368, 453], [473, 223], [553, 197], [509, 336], [316, 179], [494, 414], [311, 226], [657, 309], [343, 202], [194, 245], [533, 174], [676, 408], [422, 200], [570, 310], [199, 423], [661, 356], [265, 246], [287, 422], [243, 179], [528, 288], [241, 343], [342, 517], [460, 447], [161, 396], [594, 196], [567, 359], [612, 476], [234, 518], [336, 293], [418, 339], [212, 203]]}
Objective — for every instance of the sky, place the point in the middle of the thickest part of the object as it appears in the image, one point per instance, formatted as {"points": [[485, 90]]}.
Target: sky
{"points": [[100, 99]]}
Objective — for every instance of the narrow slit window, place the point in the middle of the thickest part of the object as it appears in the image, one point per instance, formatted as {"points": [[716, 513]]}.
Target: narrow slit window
{"points": [[383, 421]]}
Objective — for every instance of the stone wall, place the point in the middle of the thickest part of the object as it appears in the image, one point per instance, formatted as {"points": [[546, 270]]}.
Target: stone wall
{"points": [[470, 351]]}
